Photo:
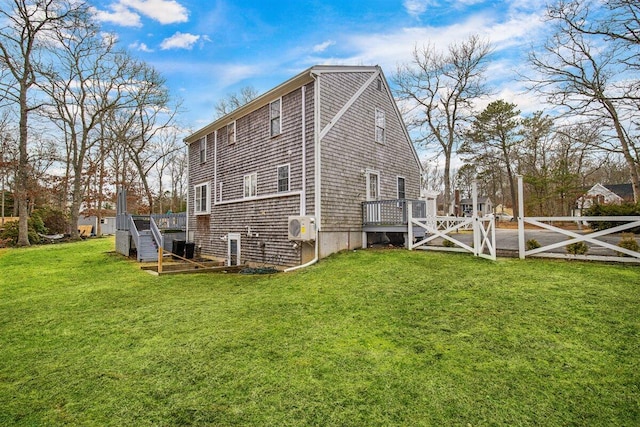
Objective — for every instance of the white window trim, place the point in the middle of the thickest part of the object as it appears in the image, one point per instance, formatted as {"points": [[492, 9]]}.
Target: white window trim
{"points": [[279, 118], [235, 133], [288, 166], [207, 209], [369, 196], [253, 179], [383, 127], [202, 143], [237, 237]]}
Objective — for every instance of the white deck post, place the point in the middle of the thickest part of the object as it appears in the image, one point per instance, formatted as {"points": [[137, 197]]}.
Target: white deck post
{"points": [[520, 218], [476, 224], [409, 243]]}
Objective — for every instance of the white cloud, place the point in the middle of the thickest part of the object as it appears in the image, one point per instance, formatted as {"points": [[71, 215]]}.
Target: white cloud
{"points": [[392, 48], [119, 15], [142, 47], [416, 7], [179, 41], [323, 46], [163, 11], [127, 12]]}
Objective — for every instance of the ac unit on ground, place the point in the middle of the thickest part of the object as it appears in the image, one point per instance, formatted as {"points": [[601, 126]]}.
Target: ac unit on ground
{"points": [[302, 228]]}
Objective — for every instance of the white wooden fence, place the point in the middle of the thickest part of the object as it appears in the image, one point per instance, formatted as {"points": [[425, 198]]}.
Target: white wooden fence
{"points": [[447, 227], [592, 239]]}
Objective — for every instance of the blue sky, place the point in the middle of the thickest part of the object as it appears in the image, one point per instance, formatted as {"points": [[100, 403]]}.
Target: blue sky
{"points": [[207, 49]]}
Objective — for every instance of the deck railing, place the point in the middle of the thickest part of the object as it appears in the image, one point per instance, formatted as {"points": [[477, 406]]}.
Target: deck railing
{"points": [[391, 212], [174, 221], [157, 235], [133, 230]]}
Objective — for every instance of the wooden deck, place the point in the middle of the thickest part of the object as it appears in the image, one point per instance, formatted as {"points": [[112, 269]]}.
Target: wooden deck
{"points": [[390, 216]]}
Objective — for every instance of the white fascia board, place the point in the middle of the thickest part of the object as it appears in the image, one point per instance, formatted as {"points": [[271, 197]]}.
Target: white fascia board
{"points": [[288, 86], [264, 99], [404, 126]]}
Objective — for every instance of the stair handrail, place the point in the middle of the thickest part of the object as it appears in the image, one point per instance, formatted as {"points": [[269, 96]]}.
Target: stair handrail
{"points": [[133, 230], [155, 232]]}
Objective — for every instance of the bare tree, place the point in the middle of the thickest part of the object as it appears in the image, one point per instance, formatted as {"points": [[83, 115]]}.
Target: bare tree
{"points": [[178, 175], [90, 79], [234, 101], [26, 25], [441, 89], [168, 147], [151, 115], [594, 75]]}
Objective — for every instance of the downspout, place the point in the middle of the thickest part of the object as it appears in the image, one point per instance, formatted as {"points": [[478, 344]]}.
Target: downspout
{"points": [[316, 140], [303, 196], [186, 229]]}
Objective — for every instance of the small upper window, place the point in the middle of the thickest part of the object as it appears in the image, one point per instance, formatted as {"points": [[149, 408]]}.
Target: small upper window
{"points": [[380, 126], [250, 185], [275, 117], [231, 133], [379, 84], [283, 178], [203, 149], [401, 192]]}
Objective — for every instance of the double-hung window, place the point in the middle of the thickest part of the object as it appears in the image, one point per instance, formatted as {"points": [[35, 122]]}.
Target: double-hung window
{"points": [[203, 149], [380, 126], [201, 199], [231, 133], [250, 185], [283, 178], [275, 117], [401, 192]]}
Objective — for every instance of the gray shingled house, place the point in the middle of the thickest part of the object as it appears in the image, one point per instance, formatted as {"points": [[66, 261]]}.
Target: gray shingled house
{"points": [[283, 179]]}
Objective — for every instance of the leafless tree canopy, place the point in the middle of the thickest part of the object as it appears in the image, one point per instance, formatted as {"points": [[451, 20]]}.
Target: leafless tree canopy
{"points": [[91, 100], [590, 68], [234, 101], [439, 90]]}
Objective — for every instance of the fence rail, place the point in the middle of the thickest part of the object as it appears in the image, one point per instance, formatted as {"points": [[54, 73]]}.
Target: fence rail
{"points": [[591, 239]]}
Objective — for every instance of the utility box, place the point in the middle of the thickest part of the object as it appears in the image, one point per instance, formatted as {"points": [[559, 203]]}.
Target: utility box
{"points": [[302, 228]]}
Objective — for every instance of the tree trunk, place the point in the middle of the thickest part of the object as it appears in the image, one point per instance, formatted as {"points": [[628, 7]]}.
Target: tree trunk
{"points": [[23, 173], [447, 185]]}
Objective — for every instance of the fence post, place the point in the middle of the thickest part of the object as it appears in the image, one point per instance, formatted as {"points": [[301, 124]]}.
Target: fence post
{"points": [[476, 224], [520, 218]]}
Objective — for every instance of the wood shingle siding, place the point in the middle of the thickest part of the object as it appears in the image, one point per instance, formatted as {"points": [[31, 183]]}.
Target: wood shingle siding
{"points": [[339, 123], [349, 150]]}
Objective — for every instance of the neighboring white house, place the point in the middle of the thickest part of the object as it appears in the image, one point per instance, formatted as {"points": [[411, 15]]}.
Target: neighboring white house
{"points": [[484, 206], [604, 195]]}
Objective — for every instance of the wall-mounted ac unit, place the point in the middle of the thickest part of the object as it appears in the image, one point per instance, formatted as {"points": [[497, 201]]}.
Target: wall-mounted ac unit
{"points": [[302, 228]]}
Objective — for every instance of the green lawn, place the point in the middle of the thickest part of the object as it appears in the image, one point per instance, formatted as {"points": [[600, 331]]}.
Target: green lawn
{"points": [[363, 338]]}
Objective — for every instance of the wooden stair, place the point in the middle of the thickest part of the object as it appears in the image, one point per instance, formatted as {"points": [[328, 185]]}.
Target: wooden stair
{"points": [[147, 249]]}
